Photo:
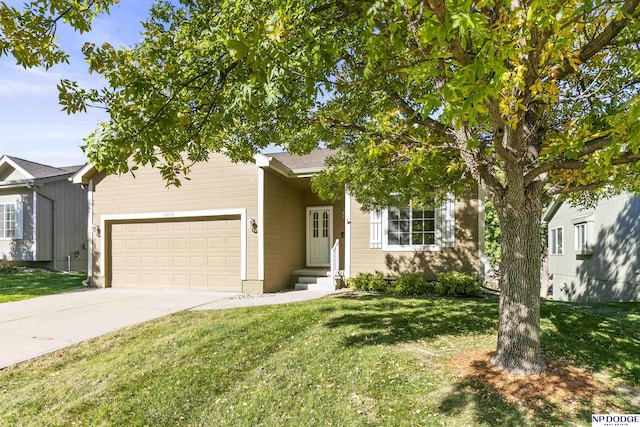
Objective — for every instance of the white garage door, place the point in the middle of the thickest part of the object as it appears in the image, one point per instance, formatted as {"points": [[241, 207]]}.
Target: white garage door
{"points": [[193, 254]]}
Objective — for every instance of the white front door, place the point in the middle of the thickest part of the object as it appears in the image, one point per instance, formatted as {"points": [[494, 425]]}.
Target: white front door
{"points": [[319, 235]]}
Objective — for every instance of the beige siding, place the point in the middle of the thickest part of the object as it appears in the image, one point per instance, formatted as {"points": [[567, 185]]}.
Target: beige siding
{"points": [[218, 184], [284, 232], [189, 254], [462, 257], [22, 249], [69, 232]]}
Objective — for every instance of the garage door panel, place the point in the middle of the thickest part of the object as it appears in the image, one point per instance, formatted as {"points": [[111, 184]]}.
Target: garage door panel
{"points": [[202, 254]]}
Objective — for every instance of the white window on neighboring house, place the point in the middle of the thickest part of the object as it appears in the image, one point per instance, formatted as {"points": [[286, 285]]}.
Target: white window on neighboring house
{"points": [[404, 228], [555, 241], [580, 231], [7, 221]]}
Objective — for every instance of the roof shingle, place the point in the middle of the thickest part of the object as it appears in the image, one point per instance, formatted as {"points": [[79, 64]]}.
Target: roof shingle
{"points": [[313, 160], [38, 170]]}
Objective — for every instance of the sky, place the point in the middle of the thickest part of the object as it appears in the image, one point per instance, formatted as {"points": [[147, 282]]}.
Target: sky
{"points": [[32, 125]]}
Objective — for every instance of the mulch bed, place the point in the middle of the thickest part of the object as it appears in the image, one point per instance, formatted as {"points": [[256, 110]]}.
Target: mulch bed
{"points": [[560, 384]]}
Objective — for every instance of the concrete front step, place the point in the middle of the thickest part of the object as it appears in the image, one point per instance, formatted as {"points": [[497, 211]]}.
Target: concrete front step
{"points": [[314, 287], [311, 272]]}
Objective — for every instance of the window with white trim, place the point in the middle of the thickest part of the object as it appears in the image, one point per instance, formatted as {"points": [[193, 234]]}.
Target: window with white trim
{"points": [[555, 241], [7, 221], [409, 226], [580, 231]]}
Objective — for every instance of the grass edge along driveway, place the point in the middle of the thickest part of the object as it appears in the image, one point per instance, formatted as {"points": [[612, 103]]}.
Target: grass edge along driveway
{"points": [[21, 286], [348, 360]]}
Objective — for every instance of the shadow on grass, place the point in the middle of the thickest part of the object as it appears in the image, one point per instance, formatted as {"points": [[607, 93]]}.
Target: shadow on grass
{"points": [[592, 337], [396, 319], [14, 287], [492, 409], [598, 337]]}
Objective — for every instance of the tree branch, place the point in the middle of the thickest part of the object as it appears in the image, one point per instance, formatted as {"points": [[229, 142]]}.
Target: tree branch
{"points": [[603, 39], [455, 47]]}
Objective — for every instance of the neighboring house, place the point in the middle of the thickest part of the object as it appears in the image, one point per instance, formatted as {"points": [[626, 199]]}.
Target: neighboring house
{"points": [[43, 216], [594, 254], [258, 227]]}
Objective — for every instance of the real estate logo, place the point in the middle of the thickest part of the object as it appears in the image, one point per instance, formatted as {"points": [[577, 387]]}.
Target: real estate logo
{"points": [[615, 420]]}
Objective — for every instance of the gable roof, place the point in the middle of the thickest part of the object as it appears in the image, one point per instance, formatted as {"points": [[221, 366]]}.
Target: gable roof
{"points": [[33, 170], [287, 164], [293, 166], [552, 208], [314, 160]]}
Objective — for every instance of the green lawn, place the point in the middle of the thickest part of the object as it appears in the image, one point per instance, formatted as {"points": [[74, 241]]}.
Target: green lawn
{"points": [[346, 360], [16, 287]]}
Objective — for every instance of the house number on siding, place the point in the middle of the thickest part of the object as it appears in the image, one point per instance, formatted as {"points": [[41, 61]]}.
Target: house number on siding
{"points": [[167, 214]]}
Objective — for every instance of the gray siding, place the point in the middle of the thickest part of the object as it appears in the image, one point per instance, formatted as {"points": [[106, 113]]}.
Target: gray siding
{"points": [[69, 218], [44, 234], [610, 271]]}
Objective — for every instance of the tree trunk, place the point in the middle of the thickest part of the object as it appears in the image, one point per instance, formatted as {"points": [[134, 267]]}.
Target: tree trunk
{"points": [[518, 347]]}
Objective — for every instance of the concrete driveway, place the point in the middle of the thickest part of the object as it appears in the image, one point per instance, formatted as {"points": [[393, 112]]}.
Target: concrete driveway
{"points": [[34, 327]]}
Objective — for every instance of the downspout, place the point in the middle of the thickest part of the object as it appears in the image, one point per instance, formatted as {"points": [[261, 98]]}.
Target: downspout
{"points": [[87, 282], [34, 223]]}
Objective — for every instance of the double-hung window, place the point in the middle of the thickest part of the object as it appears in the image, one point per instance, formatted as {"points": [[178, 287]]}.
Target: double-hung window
{"points": [[7, 220], [555, 241]]}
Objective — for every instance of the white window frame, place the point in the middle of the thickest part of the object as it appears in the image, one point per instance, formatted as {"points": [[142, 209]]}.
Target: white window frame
{"points": [[553, 241], [581, 237], [406, 248], [3, 221]]}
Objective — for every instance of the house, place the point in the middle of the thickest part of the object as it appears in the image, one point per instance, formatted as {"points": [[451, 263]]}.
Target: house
{"points": [[43, 216], [258, 227], [594, 254]]}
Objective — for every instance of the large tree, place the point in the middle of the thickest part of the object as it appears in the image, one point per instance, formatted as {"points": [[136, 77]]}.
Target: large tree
{"points": [[28, 33], [529, 99]]}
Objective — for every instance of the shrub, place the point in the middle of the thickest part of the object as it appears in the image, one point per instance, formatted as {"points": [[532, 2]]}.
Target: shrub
{"points": [[8, 269], [458, 284], [369, 282], [413, 284]]}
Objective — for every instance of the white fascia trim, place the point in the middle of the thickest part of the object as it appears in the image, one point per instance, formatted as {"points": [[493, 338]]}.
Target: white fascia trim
{"points": [[553, 208], [264, 161], [79, 177], [482, 256], [18, 184], [14, 165], [261, 160], [306, 172], [347, 234], [180, 214], [261, 189]]}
